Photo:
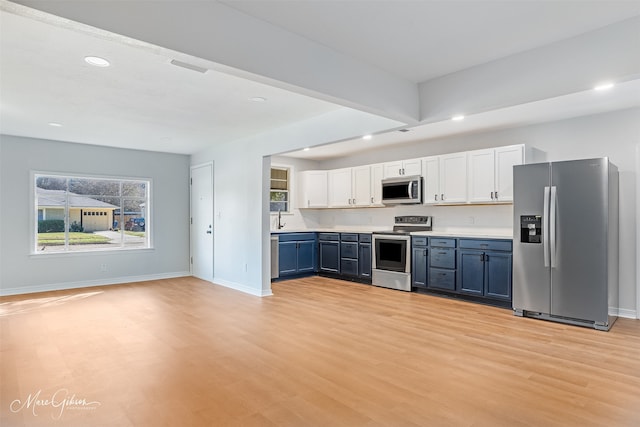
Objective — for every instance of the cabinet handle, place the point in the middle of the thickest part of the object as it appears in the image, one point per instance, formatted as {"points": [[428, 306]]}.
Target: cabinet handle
{"points": [[442, 197], [372, 200], [492, 195], [424, 252], [442, 253], [435, 197], [496, 193]]}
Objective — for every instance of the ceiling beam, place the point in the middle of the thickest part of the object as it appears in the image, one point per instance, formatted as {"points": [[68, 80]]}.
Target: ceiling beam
{"points": [[248, 47]]}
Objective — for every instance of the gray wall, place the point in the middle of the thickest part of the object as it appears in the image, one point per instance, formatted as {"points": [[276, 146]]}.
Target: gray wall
{"points": [[22, 272]]}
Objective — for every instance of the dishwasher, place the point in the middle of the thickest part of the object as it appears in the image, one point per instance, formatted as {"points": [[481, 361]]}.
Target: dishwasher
{"points": [[274, 257]]}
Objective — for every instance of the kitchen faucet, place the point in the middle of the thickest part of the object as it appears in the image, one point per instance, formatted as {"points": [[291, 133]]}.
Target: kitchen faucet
{"points": [[280, 225]]}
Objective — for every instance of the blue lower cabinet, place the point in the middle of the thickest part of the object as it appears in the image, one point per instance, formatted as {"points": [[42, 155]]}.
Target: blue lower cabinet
{"points": [[472, 274], [487, 272], [329, 253], [297, 253], [288, 258], [499, 274], [419, 262], [349, 255], [364, 260]]}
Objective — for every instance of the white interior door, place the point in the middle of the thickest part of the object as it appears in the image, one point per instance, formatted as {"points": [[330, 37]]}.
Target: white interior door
{"points": [[202, 221]]}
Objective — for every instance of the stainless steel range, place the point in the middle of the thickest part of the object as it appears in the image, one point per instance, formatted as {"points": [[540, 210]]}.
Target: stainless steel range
{"points": [[392, 252]]}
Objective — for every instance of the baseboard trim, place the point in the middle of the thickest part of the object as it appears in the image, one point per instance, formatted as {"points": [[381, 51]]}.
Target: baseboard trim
{"points": [[628, 314], [90, 283], [242, 288]]}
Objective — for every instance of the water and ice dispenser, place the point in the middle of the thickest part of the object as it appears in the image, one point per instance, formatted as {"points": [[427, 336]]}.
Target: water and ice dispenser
{"points": [[531, 229]]}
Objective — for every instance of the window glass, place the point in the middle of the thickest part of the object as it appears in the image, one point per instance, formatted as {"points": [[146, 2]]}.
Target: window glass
{"points": [[280, 186], [88, 214]]}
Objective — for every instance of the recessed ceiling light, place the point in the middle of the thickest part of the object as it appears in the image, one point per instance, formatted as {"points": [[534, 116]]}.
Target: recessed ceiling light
{"points": [[367, 137], [55, 125], [307, 149], [457, 118], [603, 86], [258, 99], [96, 61]]}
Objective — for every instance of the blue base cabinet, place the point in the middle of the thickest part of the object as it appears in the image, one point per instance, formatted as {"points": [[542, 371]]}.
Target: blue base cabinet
{"points": [[419, 262], [475, 269], [485, 268], [329, 253], [364, 257], [297, 254]]}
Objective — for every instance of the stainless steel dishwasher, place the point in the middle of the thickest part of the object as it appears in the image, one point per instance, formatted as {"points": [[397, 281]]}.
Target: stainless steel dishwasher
{"points": [[274, 257]]}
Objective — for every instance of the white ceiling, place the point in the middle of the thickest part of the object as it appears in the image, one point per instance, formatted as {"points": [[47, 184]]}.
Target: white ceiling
{"points": [[144, 102]]}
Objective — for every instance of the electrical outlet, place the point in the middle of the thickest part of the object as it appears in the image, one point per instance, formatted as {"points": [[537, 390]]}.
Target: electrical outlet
{"points": [[472, 220], [103, 267]]}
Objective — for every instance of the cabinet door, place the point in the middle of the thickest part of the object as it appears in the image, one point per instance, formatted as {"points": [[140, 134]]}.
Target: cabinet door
{"points": [[287, 258], [313, 189], [498, 275], [306, 256], [471, 272], [340, 188], [412, 167], [453, 178], [392, 169], [419, 267], [431, 170], [364, 260], [481, 183], [506, 159], [377, 172], [329, 257], [361, 185]]}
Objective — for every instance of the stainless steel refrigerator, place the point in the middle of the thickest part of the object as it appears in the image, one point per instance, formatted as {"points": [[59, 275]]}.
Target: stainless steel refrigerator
{"points": [[565, 242]]}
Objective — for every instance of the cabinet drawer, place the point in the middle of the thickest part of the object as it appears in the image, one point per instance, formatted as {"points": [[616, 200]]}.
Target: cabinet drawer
{"points": [[443, 243], [365, 238], [443, 257], [489, 245], [291, 237], [331, 237], [419, 241], [349, 267], [349, 250], [348, 237], [443, 279]]}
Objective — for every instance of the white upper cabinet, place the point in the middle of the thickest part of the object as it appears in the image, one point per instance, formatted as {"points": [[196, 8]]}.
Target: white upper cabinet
{"points": [[340, 188], [377, 172], [431, 184], [403, 168], [445, 179], [350, 187], [506, 159], [453, 178], [361, 186], [491, 173], [313, 189]]}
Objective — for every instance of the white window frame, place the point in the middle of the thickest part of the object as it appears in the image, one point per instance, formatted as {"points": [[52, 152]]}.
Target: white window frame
{"points": [[111, 248], [290, 172]]}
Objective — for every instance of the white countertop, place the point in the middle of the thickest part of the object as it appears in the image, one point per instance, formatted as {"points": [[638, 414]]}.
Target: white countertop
{"points": [[470, 233]]}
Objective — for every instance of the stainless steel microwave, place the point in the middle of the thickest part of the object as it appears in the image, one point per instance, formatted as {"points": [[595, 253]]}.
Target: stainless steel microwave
{"points": [[402, 190]]}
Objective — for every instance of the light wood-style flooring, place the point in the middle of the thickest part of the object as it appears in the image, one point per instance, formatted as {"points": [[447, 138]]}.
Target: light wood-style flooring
{"points": [[320, 352]]}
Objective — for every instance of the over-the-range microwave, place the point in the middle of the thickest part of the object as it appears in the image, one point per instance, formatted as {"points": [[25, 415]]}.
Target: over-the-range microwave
{"points": [[402, 190]]}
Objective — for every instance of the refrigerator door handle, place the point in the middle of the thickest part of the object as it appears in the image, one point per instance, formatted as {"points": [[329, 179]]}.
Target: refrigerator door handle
{"points": [[552, 227], [545, 227]]}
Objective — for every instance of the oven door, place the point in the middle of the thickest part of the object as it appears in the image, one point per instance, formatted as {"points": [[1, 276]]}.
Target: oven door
{"points": [[392, 253]]}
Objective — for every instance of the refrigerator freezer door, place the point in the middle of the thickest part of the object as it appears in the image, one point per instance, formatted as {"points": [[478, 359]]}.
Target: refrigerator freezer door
{"points": [[579, 270], [531, 279]]}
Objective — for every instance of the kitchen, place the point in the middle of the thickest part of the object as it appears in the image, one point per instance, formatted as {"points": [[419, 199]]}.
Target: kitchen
{"points": [[580, 138]]}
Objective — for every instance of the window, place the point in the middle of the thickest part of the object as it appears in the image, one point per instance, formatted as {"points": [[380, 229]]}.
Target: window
{"points": [[79, 214], [280, 189]]}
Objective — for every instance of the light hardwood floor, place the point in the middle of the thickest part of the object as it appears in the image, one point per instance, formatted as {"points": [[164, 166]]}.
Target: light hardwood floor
{"points": [[320, 352]]}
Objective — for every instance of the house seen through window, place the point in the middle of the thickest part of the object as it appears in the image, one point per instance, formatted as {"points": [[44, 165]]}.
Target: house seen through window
{"points": [[279, 200], [87, 214]]}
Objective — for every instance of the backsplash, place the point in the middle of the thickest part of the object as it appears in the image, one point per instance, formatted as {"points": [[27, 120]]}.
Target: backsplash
{"points": [[445, 218]]}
